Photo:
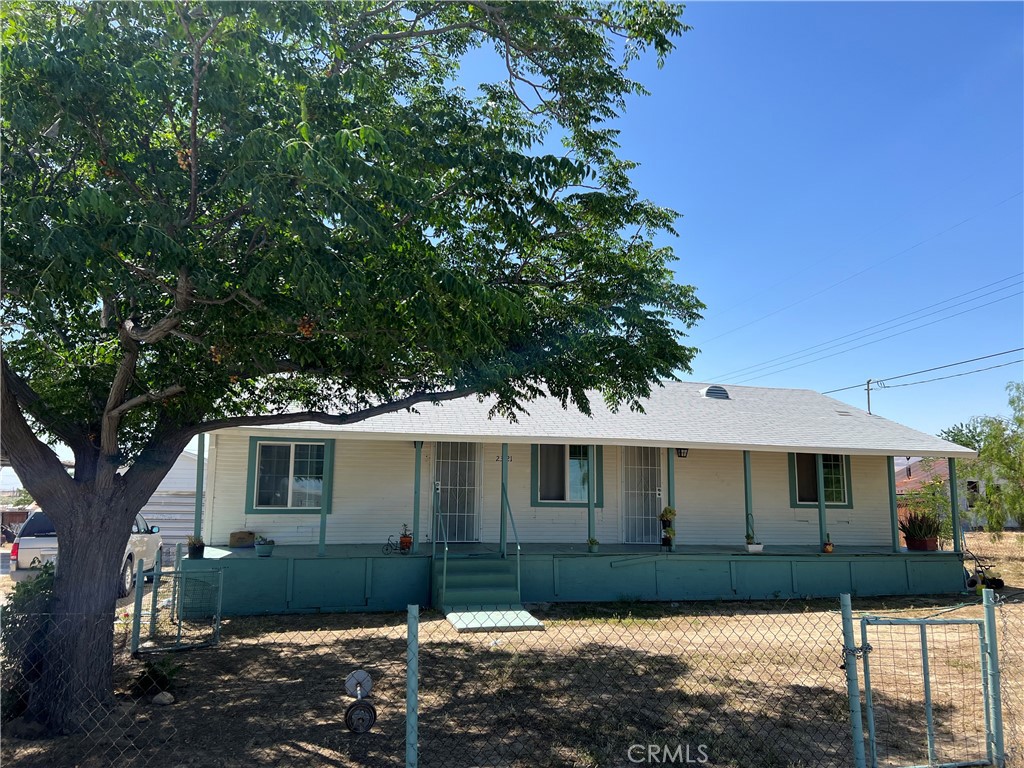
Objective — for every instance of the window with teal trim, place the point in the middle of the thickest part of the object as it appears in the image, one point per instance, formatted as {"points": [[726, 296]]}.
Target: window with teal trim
{"points": [[290, 475], [835, 474], [561, 475]]}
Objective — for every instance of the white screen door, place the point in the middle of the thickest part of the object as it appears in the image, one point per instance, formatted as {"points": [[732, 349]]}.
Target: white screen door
{"points": [[455, 470], [641, 495]]}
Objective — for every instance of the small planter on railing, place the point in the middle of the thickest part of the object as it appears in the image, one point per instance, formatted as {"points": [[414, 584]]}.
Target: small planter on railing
{"points": [[592, 546], [264, 546]]}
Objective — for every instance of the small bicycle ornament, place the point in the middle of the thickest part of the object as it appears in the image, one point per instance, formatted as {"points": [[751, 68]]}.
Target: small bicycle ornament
{"points": [[361, 714], [402, 546]]}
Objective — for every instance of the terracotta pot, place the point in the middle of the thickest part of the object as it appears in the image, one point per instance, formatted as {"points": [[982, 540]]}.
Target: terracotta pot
{"points": [[827, 547], [930, 544], [404, 543]]}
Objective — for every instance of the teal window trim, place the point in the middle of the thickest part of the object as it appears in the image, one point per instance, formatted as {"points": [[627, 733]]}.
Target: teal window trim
{"points": [[795, 504], [535, 500], [250, 481]]}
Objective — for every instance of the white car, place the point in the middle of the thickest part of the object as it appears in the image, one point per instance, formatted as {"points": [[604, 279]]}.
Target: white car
{"points": [[36, 544]]}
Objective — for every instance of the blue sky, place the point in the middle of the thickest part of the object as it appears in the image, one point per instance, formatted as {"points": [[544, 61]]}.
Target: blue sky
{"points": [[838, 166]]}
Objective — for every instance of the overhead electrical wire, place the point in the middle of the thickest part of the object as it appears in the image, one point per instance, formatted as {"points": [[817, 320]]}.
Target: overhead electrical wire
{"points": [[951, 376], [875, 341], [880, 382], [863, 332], [866, 269]]}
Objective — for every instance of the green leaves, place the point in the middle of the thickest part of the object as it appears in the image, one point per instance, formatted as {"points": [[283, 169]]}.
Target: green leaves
{"points": [[296, 205]]}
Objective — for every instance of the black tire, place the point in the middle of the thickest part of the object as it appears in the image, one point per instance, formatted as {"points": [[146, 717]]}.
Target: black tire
{"points": [[126, 580]]}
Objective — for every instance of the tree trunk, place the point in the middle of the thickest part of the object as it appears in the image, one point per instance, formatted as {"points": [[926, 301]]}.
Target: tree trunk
{"points": [[75, 683]]}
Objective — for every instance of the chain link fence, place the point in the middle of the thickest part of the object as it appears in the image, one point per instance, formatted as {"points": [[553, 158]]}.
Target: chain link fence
{"points": [[744, 685], [1010, 621], [716, 684]]}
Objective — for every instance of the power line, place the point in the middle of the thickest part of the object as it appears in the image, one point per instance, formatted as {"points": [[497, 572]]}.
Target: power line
{"points": [[797, 355], [866, 269], [880, 382], [951, 376], [875, 341]]}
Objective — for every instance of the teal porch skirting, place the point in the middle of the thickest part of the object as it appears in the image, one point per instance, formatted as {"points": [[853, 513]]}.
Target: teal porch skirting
{"points": [[361, 578]]}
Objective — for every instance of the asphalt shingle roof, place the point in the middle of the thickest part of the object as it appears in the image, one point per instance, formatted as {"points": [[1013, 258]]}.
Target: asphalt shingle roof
{"points": [[676, 415]]}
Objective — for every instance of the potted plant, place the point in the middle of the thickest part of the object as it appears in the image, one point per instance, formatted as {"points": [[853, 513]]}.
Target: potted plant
{"points": [[753, 545], [668, 514], [592, 545], [264, 546], [196, 547], [405, 540], [828, 546], [667, 535], [921, 531]]}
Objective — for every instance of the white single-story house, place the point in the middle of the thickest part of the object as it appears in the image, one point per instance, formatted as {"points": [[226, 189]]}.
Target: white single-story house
{"points": [[501, 512]]}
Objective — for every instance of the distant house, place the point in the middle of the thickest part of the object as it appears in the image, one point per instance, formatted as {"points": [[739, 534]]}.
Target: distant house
{"points": [[919, 472], [173, 505], [502, 512]]}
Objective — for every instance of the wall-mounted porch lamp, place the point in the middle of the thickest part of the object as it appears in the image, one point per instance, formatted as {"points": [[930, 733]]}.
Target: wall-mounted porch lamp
{"points": [[682, 452]]}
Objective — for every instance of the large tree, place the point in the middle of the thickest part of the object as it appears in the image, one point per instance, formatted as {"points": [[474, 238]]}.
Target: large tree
{"points": [[226, 214]]}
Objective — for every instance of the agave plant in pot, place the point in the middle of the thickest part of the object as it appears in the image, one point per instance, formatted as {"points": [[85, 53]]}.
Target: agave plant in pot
{"points": [[921, 531]]}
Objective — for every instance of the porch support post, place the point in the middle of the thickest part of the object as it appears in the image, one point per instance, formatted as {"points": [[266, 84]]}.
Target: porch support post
{"points": [[503, 531], [591, 492], [894, 514], [197, 526], [748, 494], [670, 454], [954, 504], [819, 465], [416, 497]]}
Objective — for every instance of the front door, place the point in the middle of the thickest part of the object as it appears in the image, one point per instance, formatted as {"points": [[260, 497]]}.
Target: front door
{"points": [[455, 481], [641, 504]]}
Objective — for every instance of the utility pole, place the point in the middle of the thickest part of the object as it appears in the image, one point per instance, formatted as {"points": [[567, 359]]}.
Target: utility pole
{"points": [[869, 396]]}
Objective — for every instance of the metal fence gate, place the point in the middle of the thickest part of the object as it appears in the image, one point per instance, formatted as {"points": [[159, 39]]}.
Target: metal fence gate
{"points": [[181, 610], [931, 690]]}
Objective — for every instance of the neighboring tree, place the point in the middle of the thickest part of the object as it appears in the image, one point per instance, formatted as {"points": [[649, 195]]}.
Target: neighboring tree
{"points": [[999, 466], [22, 498], [969, 434], [1001, 463], [233, 214]]}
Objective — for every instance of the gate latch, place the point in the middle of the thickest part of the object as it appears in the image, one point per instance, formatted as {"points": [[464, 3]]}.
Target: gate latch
{"points": [[856, 652]]}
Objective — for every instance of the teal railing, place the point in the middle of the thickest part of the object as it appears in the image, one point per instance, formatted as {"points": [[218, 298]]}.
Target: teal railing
{"points": [[440, 529], [519, 549]]}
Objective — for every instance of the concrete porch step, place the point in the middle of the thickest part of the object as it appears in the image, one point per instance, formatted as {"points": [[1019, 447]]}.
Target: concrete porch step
{"points": [[492, 618]]}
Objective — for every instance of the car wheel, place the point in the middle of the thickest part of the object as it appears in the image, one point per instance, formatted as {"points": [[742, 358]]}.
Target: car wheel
{"points": [[124, 584]]}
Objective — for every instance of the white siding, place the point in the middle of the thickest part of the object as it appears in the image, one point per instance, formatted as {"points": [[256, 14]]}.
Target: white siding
{"points": [[373, 487], [710, 502]]}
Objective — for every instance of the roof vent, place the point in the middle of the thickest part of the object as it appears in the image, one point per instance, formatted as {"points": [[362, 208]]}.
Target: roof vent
{"points": [[715, 392]]}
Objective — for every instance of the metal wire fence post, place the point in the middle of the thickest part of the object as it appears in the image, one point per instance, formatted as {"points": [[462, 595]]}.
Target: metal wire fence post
{"points": [[995, 699], [412, 689], [137, 616], [156, 591], [852, 683]]}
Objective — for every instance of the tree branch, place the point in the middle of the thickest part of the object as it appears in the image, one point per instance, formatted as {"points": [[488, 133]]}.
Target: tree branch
{"points": [[35, 462]]}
